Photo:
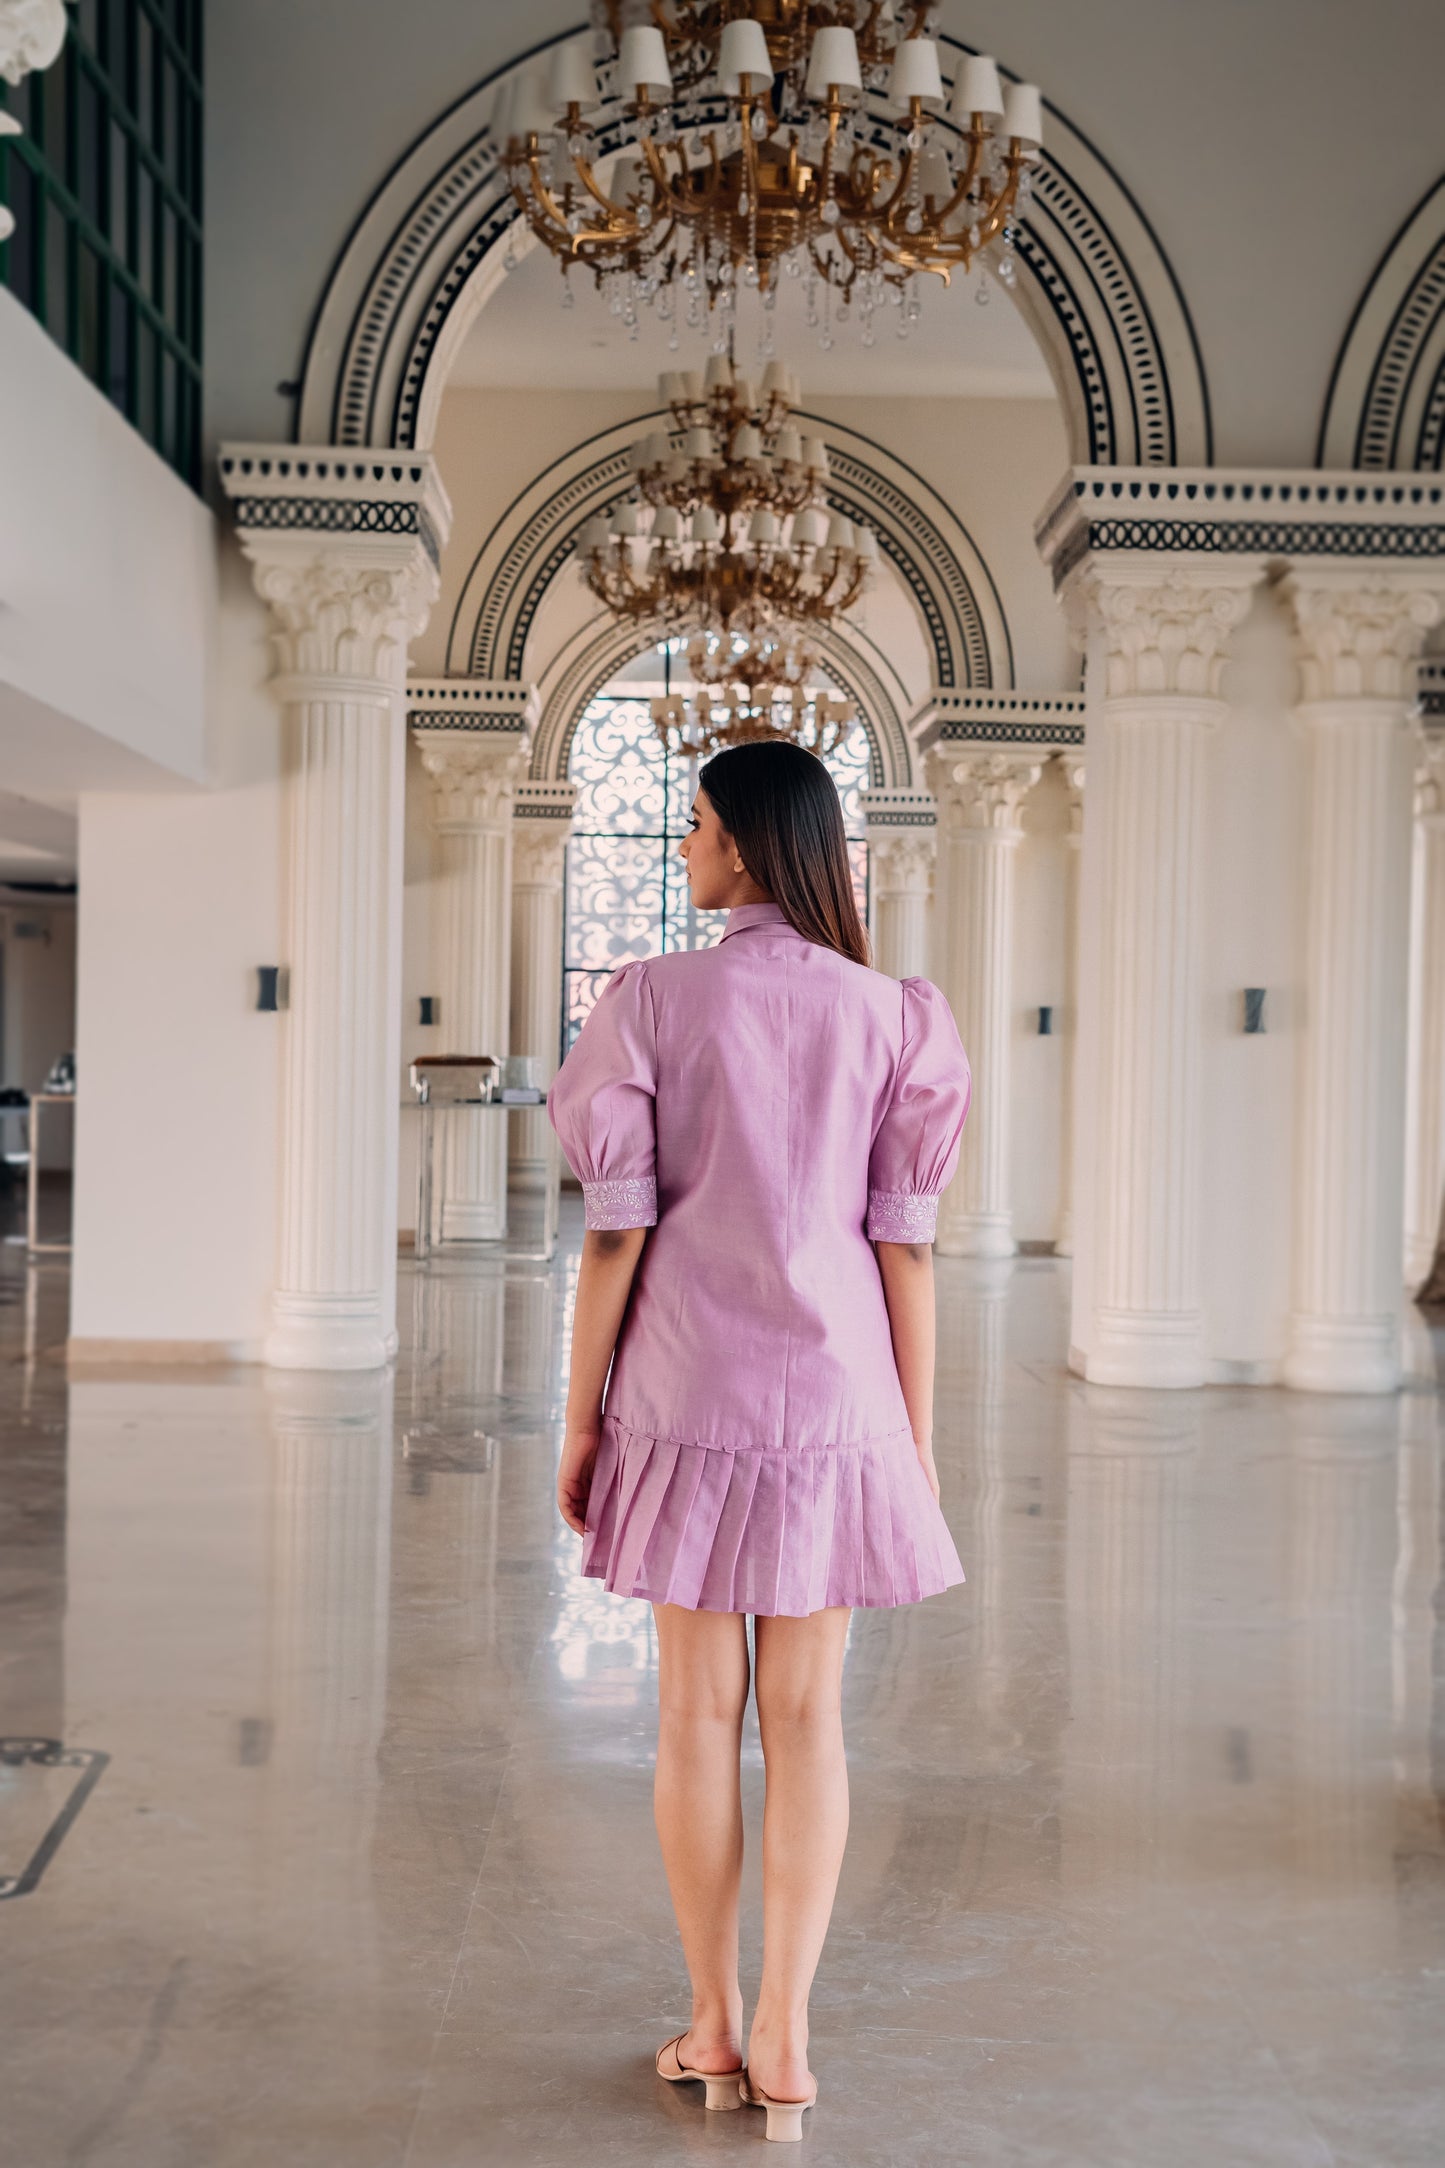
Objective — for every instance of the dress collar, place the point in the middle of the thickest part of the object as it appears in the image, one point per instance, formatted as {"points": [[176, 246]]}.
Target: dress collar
{"points": [[744, 915]]}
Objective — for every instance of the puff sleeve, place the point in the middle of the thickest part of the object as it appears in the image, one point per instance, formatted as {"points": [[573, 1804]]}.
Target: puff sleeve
{"points": [[602, 1102], [915, 1149]]}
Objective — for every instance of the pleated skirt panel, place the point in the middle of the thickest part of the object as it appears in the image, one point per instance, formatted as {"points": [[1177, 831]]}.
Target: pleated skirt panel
{"points": [[774, 1533]]}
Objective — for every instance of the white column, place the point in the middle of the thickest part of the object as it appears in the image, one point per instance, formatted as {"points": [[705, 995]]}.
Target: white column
{"points": [[1163, 651], [979, 793], [1073, 769], [1357, 638], [474, 774], [347, 562], [901, 850], [541, 824], [1425, 1122]]}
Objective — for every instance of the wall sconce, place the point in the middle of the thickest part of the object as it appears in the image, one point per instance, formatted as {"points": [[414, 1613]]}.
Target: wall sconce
{"points": [[1046, 1023], [429, 1006], [273, 987], [1254, 1008]]}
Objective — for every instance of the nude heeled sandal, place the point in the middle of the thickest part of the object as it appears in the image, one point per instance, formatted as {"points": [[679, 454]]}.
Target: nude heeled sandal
{"points": [[722, 2085], [785, 2117]]}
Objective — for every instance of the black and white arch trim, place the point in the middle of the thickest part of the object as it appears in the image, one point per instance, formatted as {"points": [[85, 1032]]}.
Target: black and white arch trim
{"points": [[427, 252], [1386, 402]]}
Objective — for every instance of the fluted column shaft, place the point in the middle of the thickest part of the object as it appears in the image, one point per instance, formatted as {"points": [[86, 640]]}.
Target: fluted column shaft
{"points": [[1163, 646], [347, 589], [979, 795], [1355, 645], [1425, 1127], [336, 1285], [900, 893], [539, 857], [474, 776], [1074, 781]]}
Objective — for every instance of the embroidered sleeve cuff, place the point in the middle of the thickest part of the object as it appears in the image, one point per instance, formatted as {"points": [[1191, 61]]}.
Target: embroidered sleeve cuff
{"points": [[632, 1203], [894, 1216]]}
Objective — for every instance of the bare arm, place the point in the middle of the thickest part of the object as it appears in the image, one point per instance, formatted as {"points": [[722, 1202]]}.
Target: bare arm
{"points": [[907, 1273], [609, 1261]]}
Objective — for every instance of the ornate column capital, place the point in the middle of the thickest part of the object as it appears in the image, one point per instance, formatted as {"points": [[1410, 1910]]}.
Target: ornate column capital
{"points": [[982, 789], [901, 860], [474, 776], [1165, 631], [345, 550], [1358, 632], [902, 837], [1071, 767]]}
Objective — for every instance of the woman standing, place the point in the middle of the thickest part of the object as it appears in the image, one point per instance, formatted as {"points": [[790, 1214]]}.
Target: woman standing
{"points": [[782, 1119]]}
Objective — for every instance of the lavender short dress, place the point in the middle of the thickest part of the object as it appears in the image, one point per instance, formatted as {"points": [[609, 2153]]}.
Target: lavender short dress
{"points": [[766, 1107]]}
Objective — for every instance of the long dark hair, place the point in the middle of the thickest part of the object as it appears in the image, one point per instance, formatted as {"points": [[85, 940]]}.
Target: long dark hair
{"points": [[780, 806]]}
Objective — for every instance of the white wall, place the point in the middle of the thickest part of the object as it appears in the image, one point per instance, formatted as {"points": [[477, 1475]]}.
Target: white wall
{"points": [[417, 975], [994, 462], [1040, 938], [127, 694], [1255, 874], [177, 1117], [1254, 887], [492, 446], [107, 577]]}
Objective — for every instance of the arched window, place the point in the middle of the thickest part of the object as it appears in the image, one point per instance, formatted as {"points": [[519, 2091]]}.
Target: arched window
{"points": [[626, 891]]}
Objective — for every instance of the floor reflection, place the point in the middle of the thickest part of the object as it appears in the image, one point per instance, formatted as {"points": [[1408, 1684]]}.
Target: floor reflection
{"points": [[1148, 1860]]}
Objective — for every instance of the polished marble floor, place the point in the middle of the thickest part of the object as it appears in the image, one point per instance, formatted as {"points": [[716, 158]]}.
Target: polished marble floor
{"points": [[1148, 1866]]}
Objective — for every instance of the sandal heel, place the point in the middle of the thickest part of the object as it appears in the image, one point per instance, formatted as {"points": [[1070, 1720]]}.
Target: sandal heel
{"points": [[784, 2117], [721, 2087]]}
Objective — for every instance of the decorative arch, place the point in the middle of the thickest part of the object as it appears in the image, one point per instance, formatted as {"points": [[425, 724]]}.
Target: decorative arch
{"points": [[934, 555], [1386, 403], [603, 647], [427, 254]]}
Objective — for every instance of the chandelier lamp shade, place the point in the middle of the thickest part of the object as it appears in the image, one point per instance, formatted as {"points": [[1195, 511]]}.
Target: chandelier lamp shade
{"points": [[758, 157], [728, 531]]}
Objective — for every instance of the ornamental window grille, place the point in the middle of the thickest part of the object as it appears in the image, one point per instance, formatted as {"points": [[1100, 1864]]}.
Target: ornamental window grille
{"points": [[626, 893], [105, 185]]}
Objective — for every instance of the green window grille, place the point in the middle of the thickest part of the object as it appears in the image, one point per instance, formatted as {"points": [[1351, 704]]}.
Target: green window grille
{"points": [[105, 185]]}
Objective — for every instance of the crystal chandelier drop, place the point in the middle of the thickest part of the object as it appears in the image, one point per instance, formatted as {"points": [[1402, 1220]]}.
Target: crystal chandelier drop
{"points": [[747, 689], [753, 162], [729, 531]]}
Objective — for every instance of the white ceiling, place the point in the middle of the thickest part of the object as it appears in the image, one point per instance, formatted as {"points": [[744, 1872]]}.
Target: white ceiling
{"points": [[525, 340]]}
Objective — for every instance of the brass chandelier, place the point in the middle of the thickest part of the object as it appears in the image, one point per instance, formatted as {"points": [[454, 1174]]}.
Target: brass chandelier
{"points": [[728, 532], [749, 688], [752, 161]]}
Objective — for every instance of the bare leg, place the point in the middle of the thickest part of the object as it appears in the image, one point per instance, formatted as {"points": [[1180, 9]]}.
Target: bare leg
{"points": [[805, 1827], [702, 1692]]}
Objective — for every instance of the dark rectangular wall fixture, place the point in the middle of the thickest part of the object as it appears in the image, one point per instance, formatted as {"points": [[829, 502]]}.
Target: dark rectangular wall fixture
{"points": [[1046, 1023], [1254, 1008], [268, 986], [429, 1006]]}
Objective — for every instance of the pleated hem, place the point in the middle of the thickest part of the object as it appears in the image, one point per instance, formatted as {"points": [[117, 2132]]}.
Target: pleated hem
{"points": [[773, 1533]]}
